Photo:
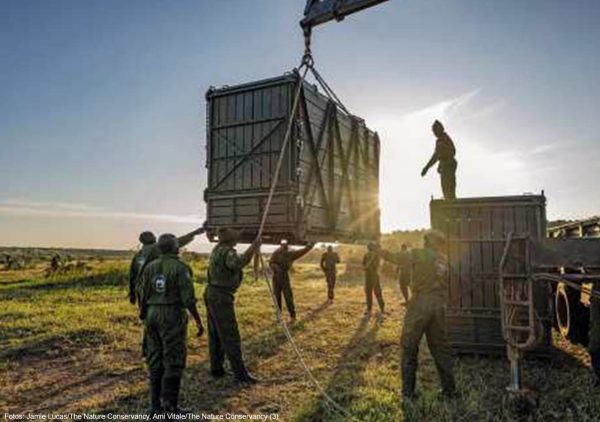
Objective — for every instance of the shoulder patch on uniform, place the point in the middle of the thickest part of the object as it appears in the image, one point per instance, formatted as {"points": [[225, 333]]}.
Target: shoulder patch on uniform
{"points": [[159, 283]]}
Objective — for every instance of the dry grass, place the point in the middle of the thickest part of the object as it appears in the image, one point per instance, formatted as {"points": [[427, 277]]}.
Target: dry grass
{"points": [[71, 343]]}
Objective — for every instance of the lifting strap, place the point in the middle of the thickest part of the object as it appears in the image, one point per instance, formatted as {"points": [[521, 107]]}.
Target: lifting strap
{"points": [[307, 64]]}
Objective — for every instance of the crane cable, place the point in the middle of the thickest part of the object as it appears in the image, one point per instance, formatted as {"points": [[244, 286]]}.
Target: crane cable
{"points": [[307, 63], [308, 60]]}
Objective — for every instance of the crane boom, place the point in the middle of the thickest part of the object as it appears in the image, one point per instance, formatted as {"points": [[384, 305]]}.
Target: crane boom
{"points": [[317, 12]]}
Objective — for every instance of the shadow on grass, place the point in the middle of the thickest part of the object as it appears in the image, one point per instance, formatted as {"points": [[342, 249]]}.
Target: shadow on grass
{"points": [[16, 290], [269, 342], [550, 379], [348, 373], [55, 346], [12, 316], [203, 393]]}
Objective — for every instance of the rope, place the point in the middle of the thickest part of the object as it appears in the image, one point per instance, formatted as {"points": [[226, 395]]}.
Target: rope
{"points": [[330, 93], [284, 145], [306, 64], [329, 400]]}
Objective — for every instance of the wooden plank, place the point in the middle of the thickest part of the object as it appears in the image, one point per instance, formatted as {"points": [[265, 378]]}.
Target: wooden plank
{"points": [[453, 258], [466, 282], [477, 281], [487, 257]]}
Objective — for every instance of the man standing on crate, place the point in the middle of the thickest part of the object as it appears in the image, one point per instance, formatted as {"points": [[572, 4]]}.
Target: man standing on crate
{"points": [[224, 278], [281, 262], [166, 295], [329, 261], [370, 264], [425, 313], [444, 154]]}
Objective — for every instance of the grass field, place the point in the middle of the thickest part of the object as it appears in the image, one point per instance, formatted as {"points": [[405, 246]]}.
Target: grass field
{"points": [[71, 343]]}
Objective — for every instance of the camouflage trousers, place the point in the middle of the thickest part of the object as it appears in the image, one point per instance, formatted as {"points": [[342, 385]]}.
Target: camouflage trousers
{"points": [[594, 344], [330, 278], [223, 333], [447, 173], [166, 336], [426, 315], [282, 286], [372, 285]]}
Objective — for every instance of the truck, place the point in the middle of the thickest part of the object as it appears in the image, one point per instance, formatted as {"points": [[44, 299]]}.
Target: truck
{"points": [[572, 317]]}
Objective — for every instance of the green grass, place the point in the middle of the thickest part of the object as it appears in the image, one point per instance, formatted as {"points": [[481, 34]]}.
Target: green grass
{"points": [[71, 343]]}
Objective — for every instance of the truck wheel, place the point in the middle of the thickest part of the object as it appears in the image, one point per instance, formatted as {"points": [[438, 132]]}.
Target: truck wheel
{"points": [[572, 318], [562, 310]]}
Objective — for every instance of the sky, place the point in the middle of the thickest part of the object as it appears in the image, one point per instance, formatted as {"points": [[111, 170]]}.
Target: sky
{"points": [[102, 111]]}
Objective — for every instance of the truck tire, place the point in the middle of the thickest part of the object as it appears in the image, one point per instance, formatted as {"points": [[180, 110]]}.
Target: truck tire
{"points": [[572, 318]]}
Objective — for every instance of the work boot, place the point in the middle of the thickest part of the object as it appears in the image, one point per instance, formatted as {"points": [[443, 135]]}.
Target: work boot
{"points": [[409, 381], [292, 320], [409, 396], [217, 373], [368, 312], [155, 395], [246, 379], [171, 387], [449, 393], [596, 367]]}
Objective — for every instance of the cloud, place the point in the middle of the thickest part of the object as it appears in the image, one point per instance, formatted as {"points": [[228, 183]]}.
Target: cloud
{"points": [[544, 149], [21, 207], [66, 206], [442, 110]]}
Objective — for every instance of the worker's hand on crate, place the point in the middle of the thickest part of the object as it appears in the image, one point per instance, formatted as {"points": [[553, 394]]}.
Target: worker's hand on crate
{"points": [[256, 243]]}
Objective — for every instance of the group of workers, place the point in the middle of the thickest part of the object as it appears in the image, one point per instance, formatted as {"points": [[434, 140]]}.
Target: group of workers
{"points": [[161, 285]]}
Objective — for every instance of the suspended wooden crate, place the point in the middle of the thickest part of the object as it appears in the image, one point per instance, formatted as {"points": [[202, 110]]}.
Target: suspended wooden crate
{"points": [[328, 187], [476, 229]]}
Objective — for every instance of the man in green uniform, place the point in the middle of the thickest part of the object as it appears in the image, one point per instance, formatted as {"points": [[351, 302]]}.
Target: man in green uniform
{"points": [[166, 295], [281, 262], [224, 278], [594, 344], [329, 261], [404, 275], [148, 253], [370, 264], [425, 313], [55, 263], [444, 153]]}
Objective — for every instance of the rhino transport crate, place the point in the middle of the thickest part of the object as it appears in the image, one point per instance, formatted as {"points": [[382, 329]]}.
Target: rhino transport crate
{"points": [[476, 229], [328, 187]]}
